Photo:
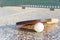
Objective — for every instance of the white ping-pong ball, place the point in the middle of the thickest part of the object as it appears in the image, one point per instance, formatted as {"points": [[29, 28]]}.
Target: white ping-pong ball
{"points": [[39, 27]]}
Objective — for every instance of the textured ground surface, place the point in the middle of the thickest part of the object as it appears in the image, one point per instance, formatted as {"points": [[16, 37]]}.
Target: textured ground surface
{"points": [[10, 32], [13, 33]]}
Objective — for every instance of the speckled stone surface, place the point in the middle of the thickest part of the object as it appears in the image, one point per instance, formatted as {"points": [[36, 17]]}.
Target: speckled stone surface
{"points": [[13, 33]]}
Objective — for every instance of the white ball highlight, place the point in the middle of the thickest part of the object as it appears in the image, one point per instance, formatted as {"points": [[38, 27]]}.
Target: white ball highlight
{"points": [[39, 27]]}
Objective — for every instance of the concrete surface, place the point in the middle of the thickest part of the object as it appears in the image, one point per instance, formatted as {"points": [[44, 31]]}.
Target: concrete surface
{"points": [[9, 16]]}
